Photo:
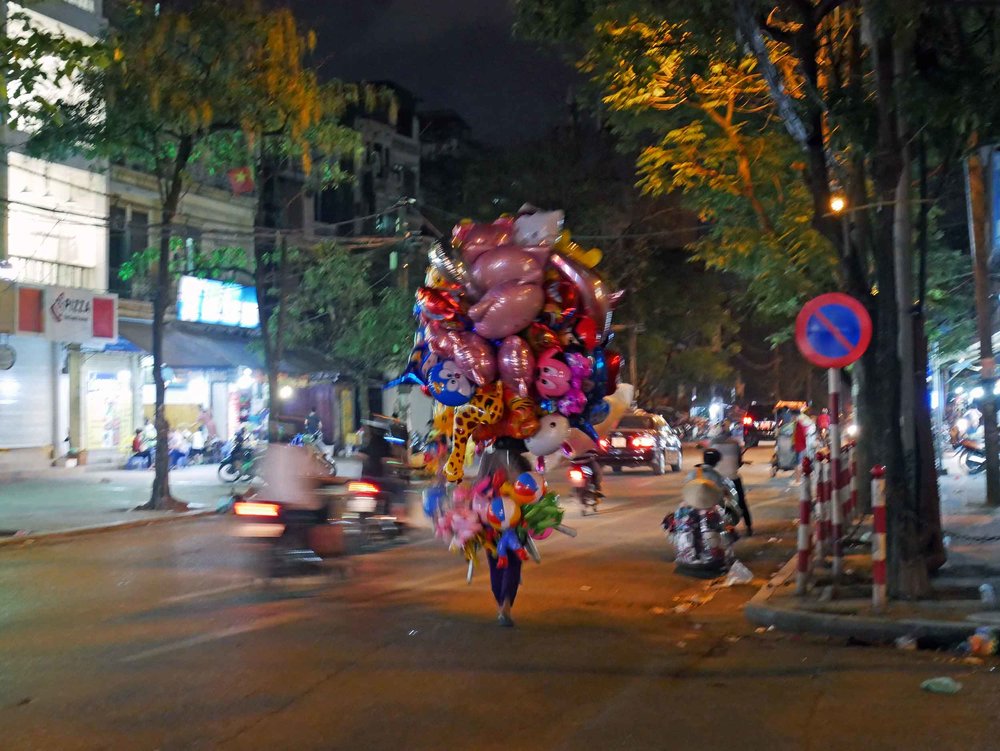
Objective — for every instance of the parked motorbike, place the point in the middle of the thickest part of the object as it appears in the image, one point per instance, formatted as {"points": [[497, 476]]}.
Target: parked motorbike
{"points": [[238, 467], [582, 478], [972, 455]]}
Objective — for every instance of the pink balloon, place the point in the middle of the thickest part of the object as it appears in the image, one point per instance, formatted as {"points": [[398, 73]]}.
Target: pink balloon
{"points": [[477, 239], [439, 340], [506, 309], [474, 356], [509, 264], [516, 364]]}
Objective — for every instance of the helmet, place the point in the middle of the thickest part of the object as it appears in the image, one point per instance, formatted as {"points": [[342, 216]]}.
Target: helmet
{"points": [[711, 457]]}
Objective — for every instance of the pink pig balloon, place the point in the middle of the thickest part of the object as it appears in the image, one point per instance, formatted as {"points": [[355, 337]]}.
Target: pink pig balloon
{"points": [[506, 309], [516, 364]]}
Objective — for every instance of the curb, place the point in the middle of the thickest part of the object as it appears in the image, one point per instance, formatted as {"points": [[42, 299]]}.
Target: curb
{"points": [[67, 534], [870, 630]]}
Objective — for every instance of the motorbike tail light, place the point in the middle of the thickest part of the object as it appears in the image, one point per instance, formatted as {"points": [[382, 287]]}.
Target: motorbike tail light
{"points": [[604, 443], [363, 488], [644, 441], [255, 508], [576, 475], [748, 420]]}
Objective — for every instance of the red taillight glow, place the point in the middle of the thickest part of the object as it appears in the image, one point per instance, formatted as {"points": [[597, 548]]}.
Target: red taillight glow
{"points": [[604, 443], [748, 420], [575, 475], [255, 508], [365, 488], [644, 441]]}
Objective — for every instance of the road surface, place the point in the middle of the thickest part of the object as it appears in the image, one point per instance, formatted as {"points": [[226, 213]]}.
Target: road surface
{"points": [[159, 638]]}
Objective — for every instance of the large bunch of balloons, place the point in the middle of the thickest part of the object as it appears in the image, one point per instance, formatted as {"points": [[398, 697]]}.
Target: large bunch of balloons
{"points": [[513, 328], [512, 334]]}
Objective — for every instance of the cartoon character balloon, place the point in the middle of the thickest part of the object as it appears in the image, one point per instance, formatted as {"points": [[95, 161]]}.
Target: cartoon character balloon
{"points": [[448, 385]]}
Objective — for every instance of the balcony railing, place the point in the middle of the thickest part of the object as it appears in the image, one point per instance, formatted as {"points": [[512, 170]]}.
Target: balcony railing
{"points": [[54, 273]]}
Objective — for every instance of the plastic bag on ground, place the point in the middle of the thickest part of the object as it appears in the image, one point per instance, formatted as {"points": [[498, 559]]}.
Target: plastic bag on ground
{"points": [[738, 574], [941, 685]]}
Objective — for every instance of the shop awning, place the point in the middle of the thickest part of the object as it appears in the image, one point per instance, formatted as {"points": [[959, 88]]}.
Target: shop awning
{"points": [[187, 346]]}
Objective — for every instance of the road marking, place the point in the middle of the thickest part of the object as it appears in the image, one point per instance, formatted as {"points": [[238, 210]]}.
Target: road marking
{"points": [[193, 641], [208, 592]]}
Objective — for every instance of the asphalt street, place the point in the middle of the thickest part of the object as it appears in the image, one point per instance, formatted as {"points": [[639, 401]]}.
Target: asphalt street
{"points": [[162, 638]]}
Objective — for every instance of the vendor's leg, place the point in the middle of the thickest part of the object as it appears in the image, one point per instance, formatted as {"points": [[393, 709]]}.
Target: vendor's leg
{"points": [[510, 582], [496, 579], [741, 499]]}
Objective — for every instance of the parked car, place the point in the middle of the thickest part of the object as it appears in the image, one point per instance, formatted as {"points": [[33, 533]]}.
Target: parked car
{"points": [[758, 424], [641, 440]]}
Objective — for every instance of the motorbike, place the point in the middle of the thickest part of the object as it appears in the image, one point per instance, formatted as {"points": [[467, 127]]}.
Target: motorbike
{"points": [[374, 511], [581, 477], [238, 467], [293, 540], [972, 455]]}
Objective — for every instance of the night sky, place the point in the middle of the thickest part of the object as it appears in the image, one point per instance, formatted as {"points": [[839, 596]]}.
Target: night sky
{"points": [[455, 54]]}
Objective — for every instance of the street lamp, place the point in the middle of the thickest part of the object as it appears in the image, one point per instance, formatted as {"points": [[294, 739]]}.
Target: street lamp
{"points": [[837, 204]]}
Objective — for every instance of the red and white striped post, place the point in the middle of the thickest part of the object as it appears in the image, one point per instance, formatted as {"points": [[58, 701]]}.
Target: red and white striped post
{"points": [[822, 506], [805, 532], [837, 527], [878, 538], [852, 500]]}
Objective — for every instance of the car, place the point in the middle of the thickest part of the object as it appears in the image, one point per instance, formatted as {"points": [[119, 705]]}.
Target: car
{"points": [[641, 439], [758, 424]]}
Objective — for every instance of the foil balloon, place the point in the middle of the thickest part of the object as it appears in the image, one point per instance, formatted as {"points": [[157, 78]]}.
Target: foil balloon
{"points": [[477, 239], [552, 433], [516, 364], [452, 269], [507, 264], [538, 228], [594, 296], [474, 356], [519, 420], [485, 408], [448, 385], [554, 374], [540, 337], [506, 309], [436, 304]]}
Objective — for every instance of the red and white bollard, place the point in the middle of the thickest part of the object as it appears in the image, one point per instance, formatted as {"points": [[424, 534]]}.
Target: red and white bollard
{"points": [[805, 531], [823, 507], [878, 538], [836, 481], [852, 501]]}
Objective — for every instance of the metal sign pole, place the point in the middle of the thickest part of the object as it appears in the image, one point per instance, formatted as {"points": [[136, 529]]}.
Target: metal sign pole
{"points": [[835, 463]]}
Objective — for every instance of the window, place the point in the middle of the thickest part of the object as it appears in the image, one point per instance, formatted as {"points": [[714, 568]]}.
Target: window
{"points": [[635, 421], [138, 235]]}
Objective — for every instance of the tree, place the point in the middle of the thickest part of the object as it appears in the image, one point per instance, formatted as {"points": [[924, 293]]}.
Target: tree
{"points": [[366, 324], [189, 88], [844, 85]]}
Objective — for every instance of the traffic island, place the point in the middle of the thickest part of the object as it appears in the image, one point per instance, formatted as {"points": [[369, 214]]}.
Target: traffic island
{"points": [[945, 620]]}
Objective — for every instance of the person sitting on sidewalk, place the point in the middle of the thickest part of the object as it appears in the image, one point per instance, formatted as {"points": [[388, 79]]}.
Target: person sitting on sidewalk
{"points": [[141, 457]]}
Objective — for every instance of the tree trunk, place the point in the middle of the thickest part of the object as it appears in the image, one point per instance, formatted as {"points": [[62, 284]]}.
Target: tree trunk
{"points": [[160, 497], [978, 212]]}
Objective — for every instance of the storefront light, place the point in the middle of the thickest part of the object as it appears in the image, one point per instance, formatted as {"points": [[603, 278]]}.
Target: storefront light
{"points": [[977, 392], [245, 381], [124, 376], [285, 393]]}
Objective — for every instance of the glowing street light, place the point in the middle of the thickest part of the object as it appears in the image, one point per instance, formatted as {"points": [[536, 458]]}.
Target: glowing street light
{"points": [[837, 204]]}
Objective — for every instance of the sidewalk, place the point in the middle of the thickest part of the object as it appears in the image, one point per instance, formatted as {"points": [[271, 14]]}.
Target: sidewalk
{"points": [[951, 614], [61, 501]]}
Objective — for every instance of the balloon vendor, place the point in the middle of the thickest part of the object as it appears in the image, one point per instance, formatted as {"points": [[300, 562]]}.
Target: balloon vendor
{"points": [[513, 344]]}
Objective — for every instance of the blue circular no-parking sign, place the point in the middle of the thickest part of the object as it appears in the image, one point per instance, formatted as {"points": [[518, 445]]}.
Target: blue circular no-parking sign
{"points": [[833, 330]]}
